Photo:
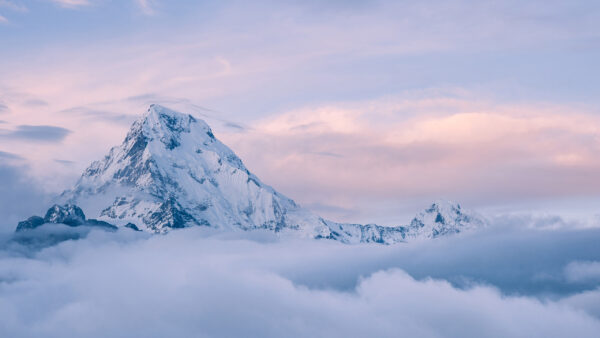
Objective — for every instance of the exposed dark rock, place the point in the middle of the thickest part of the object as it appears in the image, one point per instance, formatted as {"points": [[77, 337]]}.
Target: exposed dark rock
{"points": [[68, 214], [171, 215], [96, 223], [132, 227], [31, 223]]}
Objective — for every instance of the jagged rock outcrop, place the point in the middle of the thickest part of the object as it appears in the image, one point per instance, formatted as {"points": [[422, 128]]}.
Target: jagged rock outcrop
{"points": [[67, 214], [440, 219], [30, 223]]}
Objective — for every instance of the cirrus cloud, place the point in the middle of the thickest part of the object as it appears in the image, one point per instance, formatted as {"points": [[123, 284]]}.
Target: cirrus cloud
{"points": [[36, 133], [71, 3]]}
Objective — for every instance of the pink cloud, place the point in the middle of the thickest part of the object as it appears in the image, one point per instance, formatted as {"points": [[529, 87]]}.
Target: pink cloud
{"points": [[487, 151], [71, 3]]}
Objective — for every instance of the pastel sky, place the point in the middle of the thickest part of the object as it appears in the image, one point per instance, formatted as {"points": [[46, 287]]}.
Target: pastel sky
{"points": [[363, 111]]}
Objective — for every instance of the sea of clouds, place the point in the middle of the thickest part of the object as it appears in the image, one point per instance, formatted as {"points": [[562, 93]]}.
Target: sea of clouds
{"points": [[503, 281]]}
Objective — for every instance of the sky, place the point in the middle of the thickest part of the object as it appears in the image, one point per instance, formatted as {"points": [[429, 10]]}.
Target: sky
{"points": [[363, 111]]}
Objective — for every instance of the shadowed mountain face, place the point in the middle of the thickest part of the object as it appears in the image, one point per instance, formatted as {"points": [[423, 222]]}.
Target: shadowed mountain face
{"points": [[172, 172]]}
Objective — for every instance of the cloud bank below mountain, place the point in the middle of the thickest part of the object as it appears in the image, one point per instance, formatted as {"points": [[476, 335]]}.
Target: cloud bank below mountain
{"points": [[193, 282]]}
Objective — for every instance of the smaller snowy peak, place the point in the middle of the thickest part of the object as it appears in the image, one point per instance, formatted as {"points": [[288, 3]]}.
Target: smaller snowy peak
{"points": [[442, 218], [68, 214]]}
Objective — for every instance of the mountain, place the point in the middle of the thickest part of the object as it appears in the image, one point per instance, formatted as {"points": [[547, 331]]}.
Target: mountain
{"points": [[172, 172], [440, 219]]}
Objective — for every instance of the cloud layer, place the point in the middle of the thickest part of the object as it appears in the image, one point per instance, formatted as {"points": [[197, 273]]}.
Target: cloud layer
{"points": [[192, 282], [20, 196], [36, 133]]}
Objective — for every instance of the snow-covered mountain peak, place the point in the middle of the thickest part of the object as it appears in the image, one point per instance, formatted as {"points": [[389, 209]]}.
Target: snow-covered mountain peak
{"points": [[444, 207], [167, 126], [171, 171], [441, 218]]}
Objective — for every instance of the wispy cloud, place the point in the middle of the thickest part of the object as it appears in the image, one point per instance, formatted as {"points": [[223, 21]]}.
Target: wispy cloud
{"points": [[18, 7], [20, 194], [583, 272], [234, 126], [3, 20], [98, 114], [10, 156], [35, 102], [325, 153], [147, 7], [65, 162], [36, 133], [72, 3]]}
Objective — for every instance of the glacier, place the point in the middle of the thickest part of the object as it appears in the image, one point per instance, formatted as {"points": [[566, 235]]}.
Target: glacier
{"points": [[172, 172]]}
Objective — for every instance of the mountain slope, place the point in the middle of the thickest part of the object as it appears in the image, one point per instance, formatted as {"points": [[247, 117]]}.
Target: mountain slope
{"points": [[171, 172]]}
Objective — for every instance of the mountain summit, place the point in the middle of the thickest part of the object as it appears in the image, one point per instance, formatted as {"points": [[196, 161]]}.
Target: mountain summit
{"points": [[172, 172]]}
